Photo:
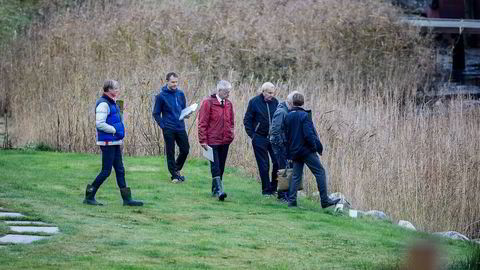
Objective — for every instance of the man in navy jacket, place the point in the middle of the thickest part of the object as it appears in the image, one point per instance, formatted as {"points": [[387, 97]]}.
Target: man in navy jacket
{"points": [[303, 146], [258, 122], [166, 112]]}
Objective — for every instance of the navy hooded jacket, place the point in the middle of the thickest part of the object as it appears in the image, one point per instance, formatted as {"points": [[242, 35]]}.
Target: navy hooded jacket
{"points": [[168, 106], [257, 118], [301, 135]]}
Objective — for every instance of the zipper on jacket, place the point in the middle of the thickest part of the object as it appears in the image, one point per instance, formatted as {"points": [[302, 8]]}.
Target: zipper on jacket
{"points": [[258, 124]]}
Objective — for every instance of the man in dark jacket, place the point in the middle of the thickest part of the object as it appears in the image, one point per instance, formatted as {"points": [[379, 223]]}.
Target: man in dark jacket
{"points": [[257, 122], [110, 133], [278, 138], [216, 129], [166, 112], [303, 146]]}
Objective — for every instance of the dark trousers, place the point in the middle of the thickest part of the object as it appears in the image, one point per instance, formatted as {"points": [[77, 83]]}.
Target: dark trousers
{"points": [[220, 153], [111, 156], [280, 151], [262, 148], [313, 163], [181, 138]]}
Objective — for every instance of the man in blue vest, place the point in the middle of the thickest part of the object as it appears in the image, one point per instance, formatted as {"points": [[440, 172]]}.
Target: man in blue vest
{"points": [[166, 112], [110, 133], [258, 122], [303, 146]]}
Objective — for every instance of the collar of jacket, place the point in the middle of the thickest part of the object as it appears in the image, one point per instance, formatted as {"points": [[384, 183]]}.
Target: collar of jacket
{"points": [[109, 99], [168, 90], [300, 109]]}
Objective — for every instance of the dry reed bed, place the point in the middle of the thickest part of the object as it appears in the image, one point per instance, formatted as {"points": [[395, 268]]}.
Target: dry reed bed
{"points": [[357, 66]]}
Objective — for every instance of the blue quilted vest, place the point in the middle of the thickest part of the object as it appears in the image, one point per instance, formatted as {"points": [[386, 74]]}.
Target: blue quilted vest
{"points": [[114, 119]]}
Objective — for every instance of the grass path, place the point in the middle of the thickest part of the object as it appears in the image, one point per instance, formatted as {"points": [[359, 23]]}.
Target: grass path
{"points": [[181, 226]]}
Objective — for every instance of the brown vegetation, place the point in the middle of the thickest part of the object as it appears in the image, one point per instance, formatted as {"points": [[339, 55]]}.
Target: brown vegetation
{"points": [[357, 65]]}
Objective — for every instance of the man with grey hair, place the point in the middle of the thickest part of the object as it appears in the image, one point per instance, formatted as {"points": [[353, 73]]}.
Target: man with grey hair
{"points": [[110, 133], [278, 139], [258, 123], [216, 129]]}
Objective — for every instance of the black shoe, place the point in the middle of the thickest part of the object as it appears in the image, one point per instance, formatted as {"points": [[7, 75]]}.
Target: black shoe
{"points": [[292, 204], [90, 196], [127, 198], [329, 202]]}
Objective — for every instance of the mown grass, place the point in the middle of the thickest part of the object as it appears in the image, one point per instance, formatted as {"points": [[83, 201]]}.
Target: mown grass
{"points": [[181, 226]]}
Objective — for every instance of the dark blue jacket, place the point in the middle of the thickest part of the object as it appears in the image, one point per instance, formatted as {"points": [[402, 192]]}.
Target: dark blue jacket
{"points": [[256, 118], [302, 138], [114, 119], [168, 106]]}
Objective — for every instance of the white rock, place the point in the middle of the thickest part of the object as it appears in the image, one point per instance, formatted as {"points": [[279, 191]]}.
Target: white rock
{"points": [[406, 224], [452, 235], [301, 194], [343, 199], [339, 207]]}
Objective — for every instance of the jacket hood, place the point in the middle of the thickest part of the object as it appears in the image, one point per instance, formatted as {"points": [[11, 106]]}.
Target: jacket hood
{"points": [[283, 105]]}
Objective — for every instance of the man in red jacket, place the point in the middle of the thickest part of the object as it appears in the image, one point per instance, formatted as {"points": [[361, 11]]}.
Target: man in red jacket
{"points": [[215, 129]]}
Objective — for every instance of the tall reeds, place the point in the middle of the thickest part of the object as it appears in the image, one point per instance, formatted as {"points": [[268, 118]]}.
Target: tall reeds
{"points": [[358, 66]]}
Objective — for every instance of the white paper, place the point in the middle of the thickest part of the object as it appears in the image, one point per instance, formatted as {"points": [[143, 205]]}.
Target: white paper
{"points": [[187, 111], [208, 154]]}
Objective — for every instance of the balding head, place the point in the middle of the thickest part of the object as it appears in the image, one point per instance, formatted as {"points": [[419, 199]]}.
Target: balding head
{"points": [[268, 91]]}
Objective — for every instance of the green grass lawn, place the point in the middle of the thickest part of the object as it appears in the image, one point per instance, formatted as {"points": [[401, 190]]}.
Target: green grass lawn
{"points": [[181, 226]]}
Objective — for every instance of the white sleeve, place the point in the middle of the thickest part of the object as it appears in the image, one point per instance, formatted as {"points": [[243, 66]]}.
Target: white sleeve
{"points": [[101, 113]]}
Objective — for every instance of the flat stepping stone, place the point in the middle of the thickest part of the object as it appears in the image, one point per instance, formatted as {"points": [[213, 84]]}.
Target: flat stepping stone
{"points": [[20, 239], [21, 222], [10, 214], [34, 229]]}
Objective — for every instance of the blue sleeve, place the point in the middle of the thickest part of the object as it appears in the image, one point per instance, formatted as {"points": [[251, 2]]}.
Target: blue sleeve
{"points": [[157, 111], [248, 119], [184, 101]]}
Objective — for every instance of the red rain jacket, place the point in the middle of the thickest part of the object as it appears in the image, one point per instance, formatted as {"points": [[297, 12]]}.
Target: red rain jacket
{"points": [[216, 122]]}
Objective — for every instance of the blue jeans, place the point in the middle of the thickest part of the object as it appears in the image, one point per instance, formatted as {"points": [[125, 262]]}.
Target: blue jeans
{"points": [[111, 156], [313, 163], [262, 148], [280, 151]]}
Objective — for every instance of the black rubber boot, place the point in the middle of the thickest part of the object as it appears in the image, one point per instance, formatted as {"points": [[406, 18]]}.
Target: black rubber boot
{"points": [[90, 196], [221, 195], [127, 198]]}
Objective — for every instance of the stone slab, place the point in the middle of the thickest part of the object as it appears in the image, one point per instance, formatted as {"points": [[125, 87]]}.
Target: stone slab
{"points": [[34, 229], [20, 239], [10, 214], [21, 222]]}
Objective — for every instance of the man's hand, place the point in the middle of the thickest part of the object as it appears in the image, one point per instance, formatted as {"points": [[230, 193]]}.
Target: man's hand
{"points": [[204, 146]]}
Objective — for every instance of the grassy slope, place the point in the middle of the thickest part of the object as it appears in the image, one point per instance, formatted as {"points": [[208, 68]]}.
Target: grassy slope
{"points": [[181, 226]]}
